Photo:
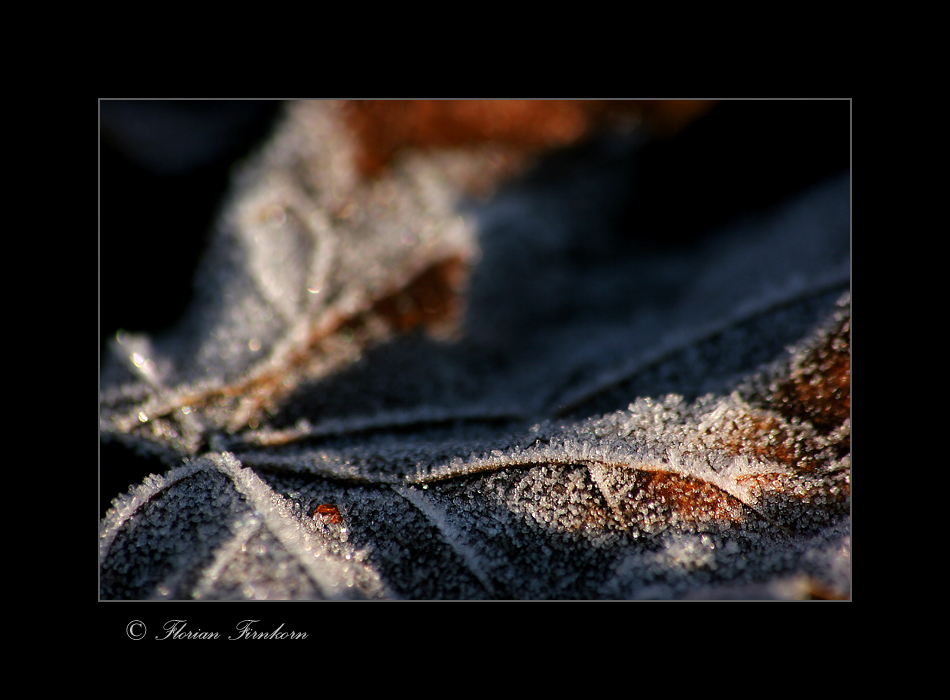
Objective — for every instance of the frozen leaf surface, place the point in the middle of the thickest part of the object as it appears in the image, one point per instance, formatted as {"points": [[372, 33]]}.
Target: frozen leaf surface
{"points": [[385, 389]]}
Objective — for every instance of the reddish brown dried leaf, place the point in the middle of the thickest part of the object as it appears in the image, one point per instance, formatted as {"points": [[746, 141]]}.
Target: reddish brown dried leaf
{"points": [[818, 389], [384, 128]]}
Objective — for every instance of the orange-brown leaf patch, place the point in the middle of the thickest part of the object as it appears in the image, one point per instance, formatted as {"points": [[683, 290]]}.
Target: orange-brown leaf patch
{"points": [[384, 127], [819, 387], [660, 498], [433, 300], [329, 513]]}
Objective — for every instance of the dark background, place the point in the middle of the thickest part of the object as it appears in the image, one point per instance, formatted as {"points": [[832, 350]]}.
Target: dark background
{"points": [[163, 168]]}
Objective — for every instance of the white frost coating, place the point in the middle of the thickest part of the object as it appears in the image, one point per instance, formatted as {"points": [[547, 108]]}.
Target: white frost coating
{"points": [[334, 577], [329, 466], [321, 266], [137, 353], [614, 456], [439, 519], [278, 212], [126, 505], [421, 416], [225, 555]]}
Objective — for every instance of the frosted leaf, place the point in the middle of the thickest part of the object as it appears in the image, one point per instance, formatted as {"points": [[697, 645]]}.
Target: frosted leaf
{"points": [[385, 389], [215, 523]]}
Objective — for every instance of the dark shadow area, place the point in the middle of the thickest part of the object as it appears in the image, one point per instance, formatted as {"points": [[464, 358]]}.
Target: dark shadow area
{"points": [[164, 167], [740, 157]]}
